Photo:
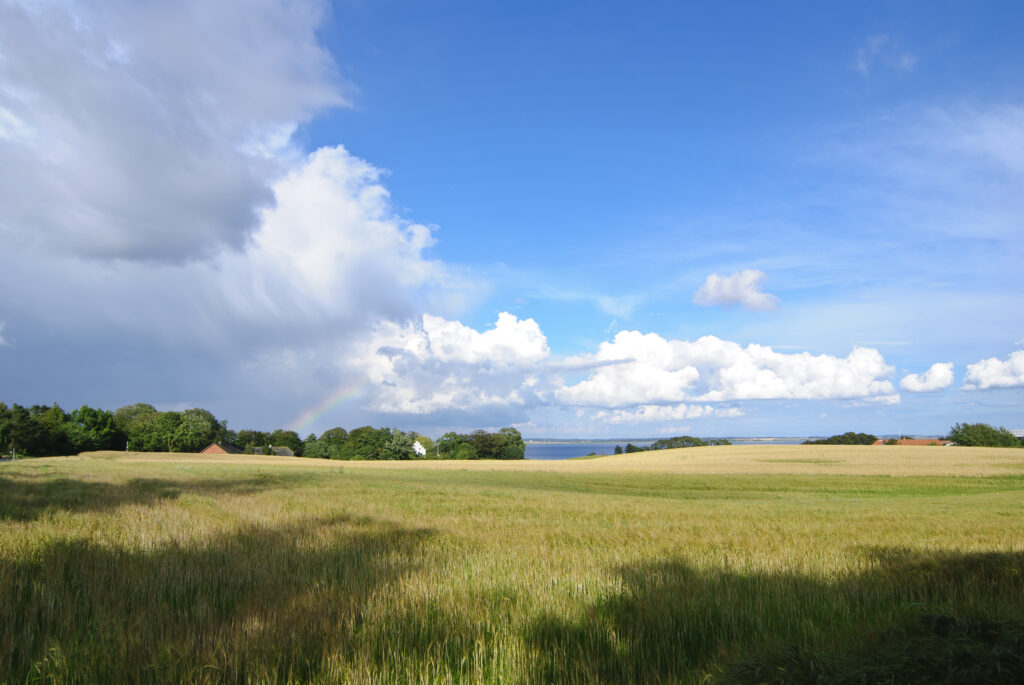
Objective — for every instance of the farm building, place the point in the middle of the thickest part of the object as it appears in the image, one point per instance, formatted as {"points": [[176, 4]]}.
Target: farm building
{"points": [[276, 450], [914, 441], [221, 448]]}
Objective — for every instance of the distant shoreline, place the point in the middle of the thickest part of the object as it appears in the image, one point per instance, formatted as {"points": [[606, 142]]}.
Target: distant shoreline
{"points": [[612, 441]]}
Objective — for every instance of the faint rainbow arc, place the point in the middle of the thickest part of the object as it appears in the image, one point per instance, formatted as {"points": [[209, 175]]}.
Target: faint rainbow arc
{"points": [[306, 418]]}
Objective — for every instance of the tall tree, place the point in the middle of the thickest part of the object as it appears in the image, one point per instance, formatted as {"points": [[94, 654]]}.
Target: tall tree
{"points": [[94, 429], [982, 435]]}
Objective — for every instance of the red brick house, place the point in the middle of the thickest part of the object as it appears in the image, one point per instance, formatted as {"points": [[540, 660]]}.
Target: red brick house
{"points": [[221, 448], [915, 441]]}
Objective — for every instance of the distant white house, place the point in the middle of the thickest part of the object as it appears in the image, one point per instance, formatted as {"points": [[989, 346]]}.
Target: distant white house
{"points": [[418, 448]]}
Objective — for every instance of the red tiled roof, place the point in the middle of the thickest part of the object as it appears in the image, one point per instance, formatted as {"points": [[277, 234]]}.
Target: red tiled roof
{"points": [[914, 441]]}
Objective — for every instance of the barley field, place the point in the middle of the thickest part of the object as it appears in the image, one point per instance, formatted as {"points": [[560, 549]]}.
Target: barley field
{"points": [[742, 564]]}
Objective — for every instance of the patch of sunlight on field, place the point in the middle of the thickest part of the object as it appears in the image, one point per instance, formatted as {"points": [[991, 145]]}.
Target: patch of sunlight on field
{"points": [[866, 460], [763, 564]]}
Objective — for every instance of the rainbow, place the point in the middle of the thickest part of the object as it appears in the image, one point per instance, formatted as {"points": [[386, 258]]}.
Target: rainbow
{"points": [[342, 394]]}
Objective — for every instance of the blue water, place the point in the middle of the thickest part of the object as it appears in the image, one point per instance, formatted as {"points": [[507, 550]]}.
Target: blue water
{"points": [[575, 449], [568, 450]]}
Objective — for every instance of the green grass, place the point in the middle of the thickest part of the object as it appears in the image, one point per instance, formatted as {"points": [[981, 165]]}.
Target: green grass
{"points": [[211, 573]]}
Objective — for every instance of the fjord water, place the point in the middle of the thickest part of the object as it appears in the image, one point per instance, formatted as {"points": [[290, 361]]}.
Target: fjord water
{"points": [[569, 449]]}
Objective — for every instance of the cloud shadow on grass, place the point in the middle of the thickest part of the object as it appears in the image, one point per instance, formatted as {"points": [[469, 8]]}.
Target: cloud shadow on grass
{"points": [[263, 603], [27, 496], [912, 617]]}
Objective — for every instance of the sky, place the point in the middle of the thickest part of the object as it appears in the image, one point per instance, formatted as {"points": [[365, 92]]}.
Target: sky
{"points": [[580, 219]]}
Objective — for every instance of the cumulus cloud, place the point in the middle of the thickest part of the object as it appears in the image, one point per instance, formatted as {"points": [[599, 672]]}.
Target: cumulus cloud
{"points": [[742, 288], [937, 377], [652, 370], [119, 143], [327, 263], [996, 373], [434, 365], [881, 51]]}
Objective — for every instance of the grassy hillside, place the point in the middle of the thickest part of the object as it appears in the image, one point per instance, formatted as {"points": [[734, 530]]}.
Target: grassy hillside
{"points": [[177, 567]]}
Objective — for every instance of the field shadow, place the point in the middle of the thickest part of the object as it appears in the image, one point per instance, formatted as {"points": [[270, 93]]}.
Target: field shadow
{"points": [[896, 622], [264, 603], [26, 497]]}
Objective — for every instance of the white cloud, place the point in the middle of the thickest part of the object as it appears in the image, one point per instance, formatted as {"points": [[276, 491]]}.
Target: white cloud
{"points": [[328, 262], [996, 373], [3, 341], [937, 377], [121, 142], [652, 370], [653, 412], [880, 50], [330, 247], [436, 365], [742, 287]]}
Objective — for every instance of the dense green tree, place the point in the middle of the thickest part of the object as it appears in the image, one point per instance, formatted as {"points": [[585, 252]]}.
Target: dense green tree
{"points": [[127, 415], [982, 435], [448, 444], [512, 445], [94, 429], [464, 451], [618, 449], [398, 445], [194, 430], [366, 442], [54, 422], [24, 434], [631, 448], [289, 439], [5, 430], [330, 445], [486, 445], [430, 451], [677, 442], [251, 440], [848, 438]]}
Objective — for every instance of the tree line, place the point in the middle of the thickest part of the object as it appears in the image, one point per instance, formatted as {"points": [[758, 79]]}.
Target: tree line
{"points": [[963, 434], [672, 443], [41, 430]]}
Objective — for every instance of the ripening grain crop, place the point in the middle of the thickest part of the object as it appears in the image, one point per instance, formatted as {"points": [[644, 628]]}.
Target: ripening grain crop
{"points": [[124, 568]]}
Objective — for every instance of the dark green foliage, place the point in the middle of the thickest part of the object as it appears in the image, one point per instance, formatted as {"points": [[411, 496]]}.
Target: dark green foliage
{"points": [[672, 619], [848, 438], [251, 440], [94, 429], [982, 435], [327, 446], [677, 442], [289, 439], [365, 442], [507, 443], [926, 649], [398, 445], [45, 431], [194, 430], [451, 445]]}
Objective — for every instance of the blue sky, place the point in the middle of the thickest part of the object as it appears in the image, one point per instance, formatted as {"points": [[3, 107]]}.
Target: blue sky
{"points": [[581, 219]]}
